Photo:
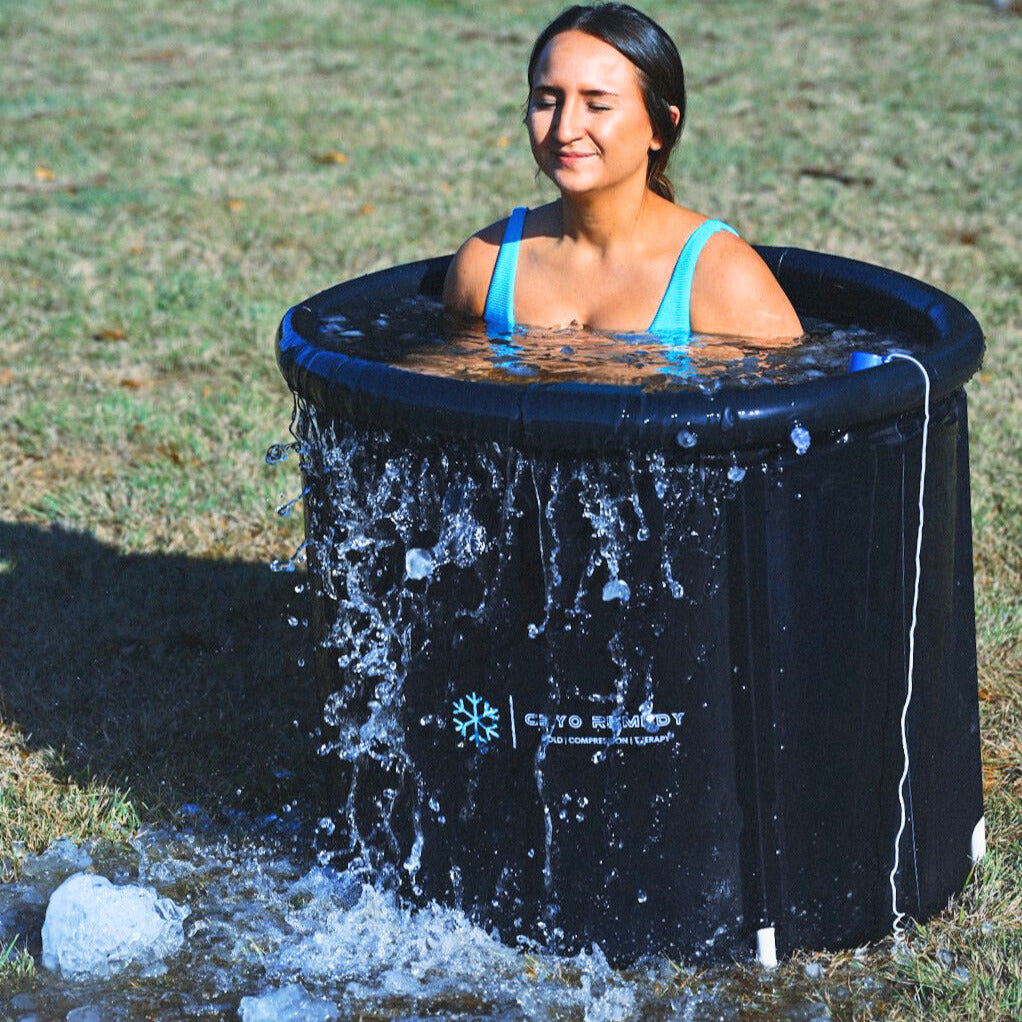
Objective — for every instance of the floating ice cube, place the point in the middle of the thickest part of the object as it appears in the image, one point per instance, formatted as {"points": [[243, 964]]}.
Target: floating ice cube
{"points": [[93, 928], [616, 589], [800, 438], [288, 1004], [418, 563]]}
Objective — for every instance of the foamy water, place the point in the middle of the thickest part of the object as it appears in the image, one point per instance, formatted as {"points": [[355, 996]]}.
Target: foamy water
{"points": [[260, 920]]}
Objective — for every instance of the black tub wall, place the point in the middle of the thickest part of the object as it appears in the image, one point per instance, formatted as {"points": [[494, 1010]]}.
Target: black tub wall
{"points": [[778, 805], [828, 542]]}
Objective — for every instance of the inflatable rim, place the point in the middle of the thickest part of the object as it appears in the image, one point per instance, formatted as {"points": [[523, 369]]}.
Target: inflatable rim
{"points": [[602, 417]]}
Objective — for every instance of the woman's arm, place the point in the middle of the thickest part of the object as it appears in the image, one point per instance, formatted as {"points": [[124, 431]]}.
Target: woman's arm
{"points": [[468, 276], [735, 294]]}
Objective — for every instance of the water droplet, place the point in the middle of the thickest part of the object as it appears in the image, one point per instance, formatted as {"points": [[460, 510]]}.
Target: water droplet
{"points": [[736, 474], [800, 438], [685, 438], [293, 622], [616, 589], [326, 825], [641, 898], [276, 454], [418, 563]]}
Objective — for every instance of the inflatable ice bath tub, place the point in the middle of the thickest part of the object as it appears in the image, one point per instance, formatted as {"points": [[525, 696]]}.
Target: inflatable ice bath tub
{"points": [[624, 665]]}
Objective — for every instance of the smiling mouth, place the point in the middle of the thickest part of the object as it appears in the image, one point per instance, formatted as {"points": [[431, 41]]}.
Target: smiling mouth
{"points": [[571, 157]]}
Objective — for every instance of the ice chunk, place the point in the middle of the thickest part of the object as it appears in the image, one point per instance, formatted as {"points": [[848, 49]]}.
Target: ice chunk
{"points": [[288, 1004], [418, 563], [93, 928]]}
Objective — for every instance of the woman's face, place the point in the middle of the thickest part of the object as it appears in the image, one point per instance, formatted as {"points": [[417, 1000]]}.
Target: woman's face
{"points": [[587, 120]]}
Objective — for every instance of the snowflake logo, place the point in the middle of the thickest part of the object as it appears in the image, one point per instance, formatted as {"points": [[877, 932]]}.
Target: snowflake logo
{"points": [[476, 720]]}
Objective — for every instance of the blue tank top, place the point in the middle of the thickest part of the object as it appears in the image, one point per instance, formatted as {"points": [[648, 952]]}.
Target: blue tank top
{"points": [[671, 318]]}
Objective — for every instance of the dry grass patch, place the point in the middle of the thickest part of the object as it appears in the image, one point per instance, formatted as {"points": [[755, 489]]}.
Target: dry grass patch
{"points": [[37, 806]]}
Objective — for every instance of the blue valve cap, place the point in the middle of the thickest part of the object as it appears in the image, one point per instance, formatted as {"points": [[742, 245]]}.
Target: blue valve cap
{"points": [[865, 360]]}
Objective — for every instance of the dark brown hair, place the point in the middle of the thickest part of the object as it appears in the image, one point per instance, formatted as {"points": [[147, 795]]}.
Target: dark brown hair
{"points": [[656, 59]]}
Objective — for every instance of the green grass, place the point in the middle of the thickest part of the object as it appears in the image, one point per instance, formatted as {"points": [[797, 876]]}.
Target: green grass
{"points": [[17, 966], [164, 197], [36, 808]]}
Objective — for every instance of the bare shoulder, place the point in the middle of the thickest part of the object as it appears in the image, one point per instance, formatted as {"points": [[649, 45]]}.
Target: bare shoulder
{"points": [[468, 276], [734, 293]]}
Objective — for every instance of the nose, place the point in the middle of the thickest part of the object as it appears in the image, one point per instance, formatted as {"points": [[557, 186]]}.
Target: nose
{"points": [[567, 122]]}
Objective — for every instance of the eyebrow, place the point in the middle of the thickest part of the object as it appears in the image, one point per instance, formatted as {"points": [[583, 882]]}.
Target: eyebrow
{"points": [[585, 92]]}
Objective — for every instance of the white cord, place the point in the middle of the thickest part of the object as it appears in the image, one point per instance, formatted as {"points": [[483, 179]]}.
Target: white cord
{"points": [[899, 930]]}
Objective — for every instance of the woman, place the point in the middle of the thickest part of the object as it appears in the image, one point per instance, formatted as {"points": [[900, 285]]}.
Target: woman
{"points": [[606, 107]]}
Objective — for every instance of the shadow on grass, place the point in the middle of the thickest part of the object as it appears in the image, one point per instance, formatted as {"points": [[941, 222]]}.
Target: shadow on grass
{"points": [[173, 676]]}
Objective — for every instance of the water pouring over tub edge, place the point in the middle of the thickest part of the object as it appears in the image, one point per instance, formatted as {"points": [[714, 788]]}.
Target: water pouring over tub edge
{"points": [[715, 755]]}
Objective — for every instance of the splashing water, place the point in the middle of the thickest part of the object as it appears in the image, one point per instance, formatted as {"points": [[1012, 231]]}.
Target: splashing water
{"points": [[418, 563], [277, 454], [449, 636], [266, 932], [285, 509], [800, 438], [290, 563]]}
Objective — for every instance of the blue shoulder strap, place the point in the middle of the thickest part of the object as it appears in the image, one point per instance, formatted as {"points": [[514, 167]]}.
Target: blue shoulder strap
{"points": [[500, 299], [673, 315]]}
